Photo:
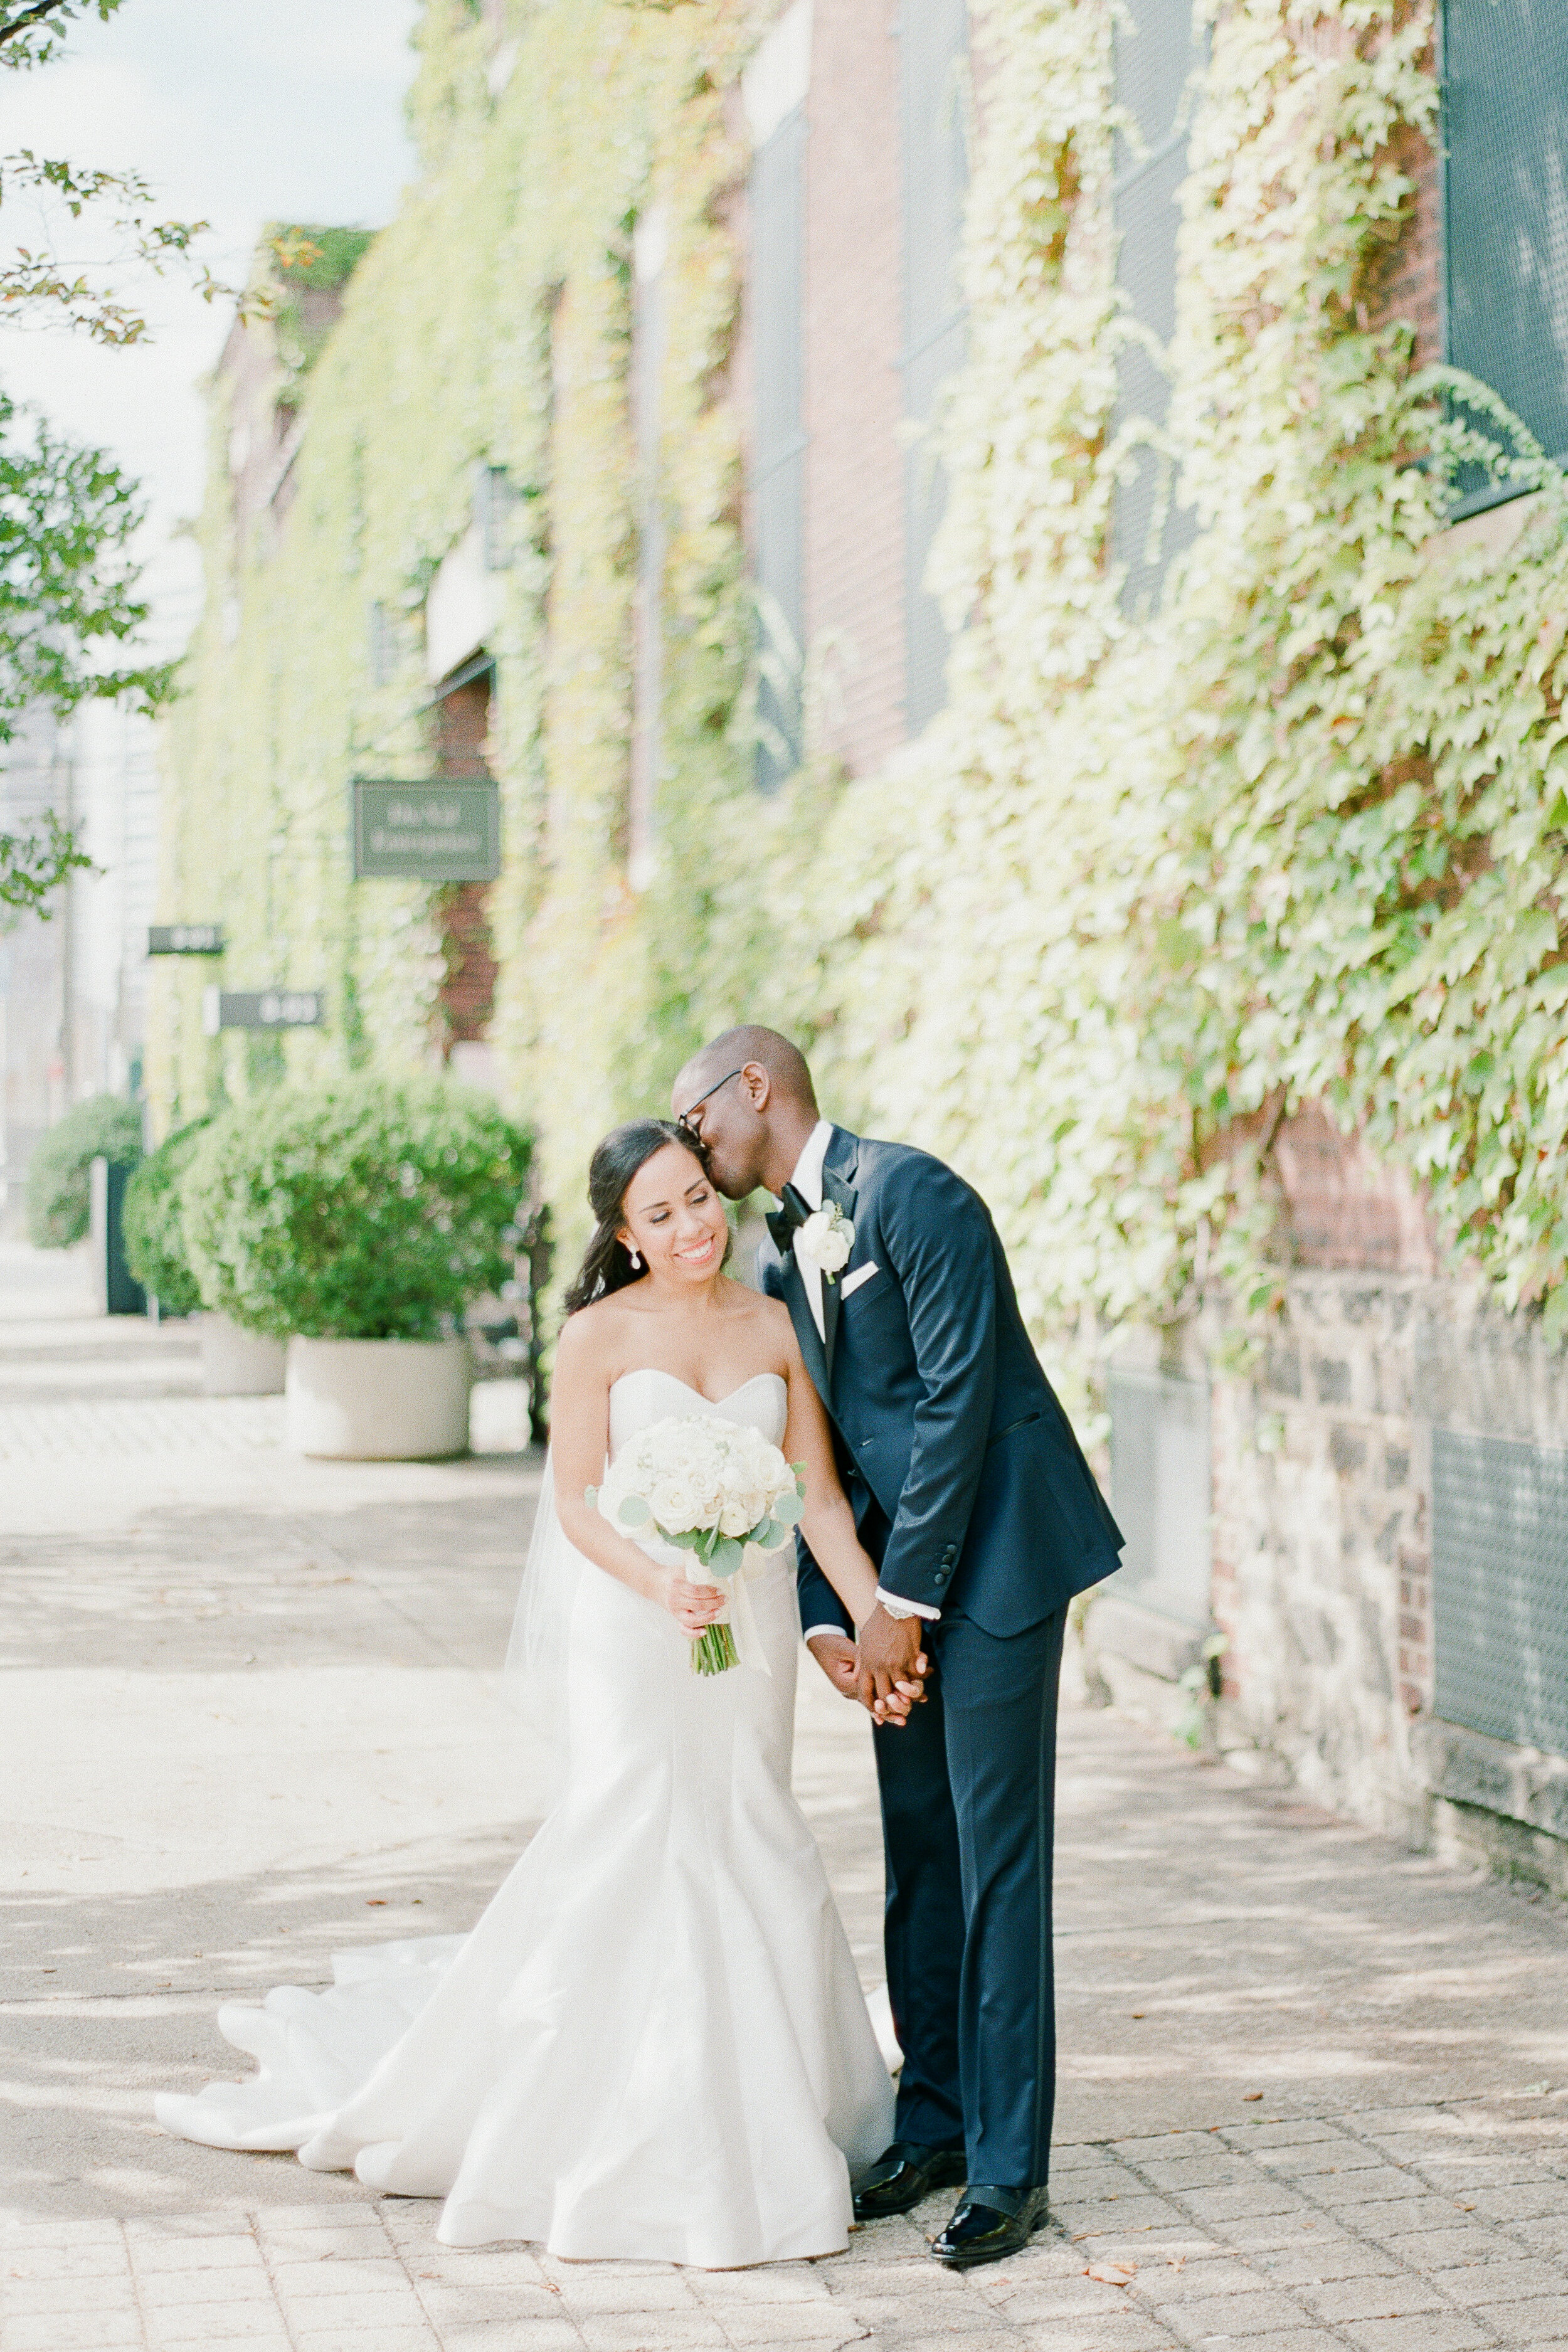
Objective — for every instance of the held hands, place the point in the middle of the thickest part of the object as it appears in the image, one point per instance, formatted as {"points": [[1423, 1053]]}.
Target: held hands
{"points": [[890, 1665], [844, 1665]]}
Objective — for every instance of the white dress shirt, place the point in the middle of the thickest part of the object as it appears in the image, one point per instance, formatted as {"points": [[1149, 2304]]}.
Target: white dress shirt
{"points": [[808, 1183]]}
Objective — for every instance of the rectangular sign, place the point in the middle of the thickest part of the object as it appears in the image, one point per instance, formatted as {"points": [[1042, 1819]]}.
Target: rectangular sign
{"points": [[185, 938], [429, 831], [266, 1008]]}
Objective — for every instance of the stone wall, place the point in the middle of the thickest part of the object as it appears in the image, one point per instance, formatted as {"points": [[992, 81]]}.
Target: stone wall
{"points": [[1321, 1528], [1320, 1534]]}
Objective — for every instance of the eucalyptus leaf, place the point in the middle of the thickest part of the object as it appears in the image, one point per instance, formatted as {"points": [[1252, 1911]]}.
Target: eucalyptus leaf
{"points": [[632, 1512]]}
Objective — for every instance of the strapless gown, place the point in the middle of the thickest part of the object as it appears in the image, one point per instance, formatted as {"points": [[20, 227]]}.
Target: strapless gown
{"points": [[653, 2045]]}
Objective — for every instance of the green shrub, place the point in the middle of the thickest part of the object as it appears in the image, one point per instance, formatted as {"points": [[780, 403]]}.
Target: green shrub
{"points": [[152, 1224], [58, 1186], [362, 1210]]}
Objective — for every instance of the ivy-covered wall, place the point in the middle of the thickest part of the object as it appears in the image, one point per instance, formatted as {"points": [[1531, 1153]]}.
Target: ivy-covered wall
{"points": [[1299, 837], [488, 324]]}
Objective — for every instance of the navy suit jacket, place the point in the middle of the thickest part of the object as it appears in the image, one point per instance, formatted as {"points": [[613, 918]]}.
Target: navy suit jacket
{"points": [[968, 1486]]}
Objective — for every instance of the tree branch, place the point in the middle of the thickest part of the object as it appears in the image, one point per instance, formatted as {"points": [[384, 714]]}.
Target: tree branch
{"points": [[32, 31], [25, 18]]}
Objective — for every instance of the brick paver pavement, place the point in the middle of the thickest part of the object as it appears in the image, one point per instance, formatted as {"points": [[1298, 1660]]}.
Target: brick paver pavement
{"points": [[1314, 2089], [1377, 2230]]}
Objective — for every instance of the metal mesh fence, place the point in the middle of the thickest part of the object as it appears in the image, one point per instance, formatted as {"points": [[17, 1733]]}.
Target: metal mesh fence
{"points": [[1500, 1588]]}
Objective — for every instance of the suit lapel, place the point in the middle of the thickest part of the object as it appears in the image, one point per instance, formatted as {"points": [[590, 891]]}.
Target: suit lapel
{"points": [[837, 1174]]}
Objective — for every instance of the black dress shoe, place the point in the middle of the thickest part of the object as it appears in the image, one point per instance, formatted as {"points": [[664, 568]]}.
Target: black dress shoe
{"points": [[982, 2233], [902, 2174]]}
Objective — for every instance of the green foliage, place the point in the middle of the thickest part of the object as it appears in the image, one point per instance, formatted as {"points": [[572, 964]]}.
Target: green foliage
{"points": [[34, 31], [68, 581], [153, 1227], [1147, 883], [59, 1182], [303, 261], [1300, 834], [356, 1210], [34, 864], [68, 516], [39, 288], [322, 259], [488, 321]]}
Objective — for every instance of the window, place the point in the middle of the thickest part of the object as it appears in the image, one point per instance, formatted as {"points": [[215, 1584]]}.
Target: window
{"points": [[382, 645], [1506, 132], [933, 43], [1500, 1588], [1160, 1493], [494, 501], [1156, 55]]}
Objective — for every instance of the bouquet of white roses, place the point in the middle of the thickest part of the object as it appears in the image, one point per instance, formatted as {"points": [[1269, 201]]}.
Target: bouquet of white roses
{"points": [[709, 1488]]}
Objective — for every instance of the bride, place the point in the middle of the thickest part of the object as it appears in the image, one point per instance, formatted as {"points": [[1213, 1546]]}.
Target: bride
{"points": [[653, 2045]]}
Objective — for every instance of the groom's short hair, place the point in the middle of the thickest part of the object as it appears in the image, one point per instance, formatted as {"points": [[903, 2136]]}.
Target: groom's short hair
{"points": [[784, 1063]]}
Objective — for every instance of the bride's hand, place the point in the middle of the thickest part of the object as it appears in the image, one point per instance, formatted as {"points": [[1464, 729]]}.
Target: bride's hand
{"points": [[693, 1606]]}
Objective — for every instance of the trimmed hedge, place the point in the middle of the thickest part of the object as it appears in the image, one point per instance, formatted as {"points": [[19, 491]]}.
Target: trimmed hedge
{"points": [[152, 1224], [363, 1209], [58, 1184]]}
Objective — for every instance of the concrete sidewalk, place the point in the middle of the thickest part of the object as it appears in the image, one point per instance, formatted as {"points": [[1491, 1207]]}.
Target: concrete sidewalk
{"points": [[1314, 2091]]}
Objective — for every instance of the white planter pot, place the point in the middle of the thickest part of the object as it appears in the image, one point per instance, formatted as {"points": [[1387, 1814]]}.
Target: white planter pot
{"points": [[378, 1400], [236, 1362]]}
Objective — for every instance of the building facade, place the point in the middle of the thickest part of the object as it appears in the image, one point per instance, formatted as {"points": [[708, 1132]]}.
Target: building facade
{"points": [[73, 987], [941, 529]]}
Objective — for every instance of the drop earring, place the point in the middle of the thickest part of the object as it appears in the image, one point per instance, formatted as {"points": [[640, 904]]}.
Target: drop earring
{"points": [[636, 1261]]}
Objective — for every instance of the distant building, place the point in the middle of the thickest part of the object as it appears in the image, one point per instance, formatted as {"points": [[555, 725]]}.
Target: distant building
{"points": [[73, 987]]}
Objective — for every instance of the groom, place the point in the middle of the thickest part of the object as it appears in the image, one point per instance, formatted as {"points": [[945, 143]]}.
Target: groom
{"points": [[970, 1494]]}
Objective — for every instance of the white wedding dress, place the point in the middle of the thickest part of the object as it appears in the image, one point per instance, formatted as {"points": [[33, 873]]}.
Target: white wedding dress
{"points": [[653, 2045]]}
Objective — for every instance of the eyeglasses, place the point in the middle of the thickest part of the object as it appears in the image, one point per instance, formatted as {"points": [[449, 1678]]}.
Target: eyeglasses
{"points": [[685, 1118]]}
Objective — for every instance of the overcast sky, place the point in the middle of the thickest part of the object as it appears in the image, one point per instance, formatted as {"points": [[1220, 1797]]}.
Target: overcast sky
{"points": [[237, 112]]}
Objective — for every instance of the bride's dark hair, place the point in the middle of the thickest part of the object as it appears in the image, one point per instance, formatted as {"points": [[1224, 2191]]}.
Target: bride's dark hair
{"points": [[605, 1266]]}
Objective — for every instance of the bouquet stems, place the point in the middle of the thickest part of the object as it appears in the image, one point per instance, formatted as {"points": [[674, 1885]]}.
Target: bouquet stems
{"points": [[713, 1650]]}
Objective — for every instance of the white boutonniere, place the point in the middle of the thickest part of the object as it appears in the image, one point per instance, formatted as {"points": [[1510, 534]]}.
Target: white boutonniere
{"points": [[826, 1240]]}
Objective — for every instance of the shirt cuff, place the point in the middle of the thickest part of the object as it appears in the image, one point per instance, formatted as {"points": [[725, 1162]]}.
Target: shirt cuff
{"points": [[837, 1632], [896, 1606]]}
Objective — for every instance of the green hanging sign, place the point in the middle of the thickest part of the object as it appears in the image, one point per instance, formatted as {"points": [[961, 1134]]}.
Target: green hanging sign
{"points": [[428, 831]]}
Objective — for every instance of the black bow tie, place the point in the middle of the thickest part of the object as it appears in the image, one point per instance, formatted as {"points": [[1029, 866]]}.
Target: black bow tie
{"points": [[784, 1223]]}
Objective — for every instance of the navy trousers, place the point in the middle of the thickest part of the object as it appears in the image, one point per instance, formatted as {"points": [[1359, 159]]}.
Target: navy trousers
{"points": [[968, 1801]]}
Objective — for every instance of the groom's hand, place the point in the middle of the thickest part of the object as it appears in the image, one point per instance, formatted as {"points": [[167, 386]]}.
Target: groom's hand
{"points": [[890, 1664], [837, 1655]]}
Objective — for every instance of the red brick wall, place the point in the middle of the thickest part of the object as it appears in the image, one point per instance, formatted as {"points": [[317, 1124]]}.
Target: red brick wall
{"points": [[1349, 1212], [854, 545], [1411, 285], [466, 995]]}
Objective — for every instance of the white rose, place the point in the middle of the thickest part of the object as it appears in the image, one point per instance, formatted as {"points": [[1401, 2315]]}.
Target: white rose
{"points": [[826, 1239], [676, 1503]]}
